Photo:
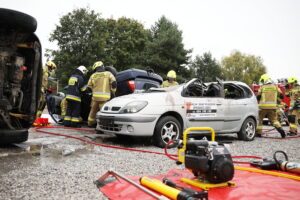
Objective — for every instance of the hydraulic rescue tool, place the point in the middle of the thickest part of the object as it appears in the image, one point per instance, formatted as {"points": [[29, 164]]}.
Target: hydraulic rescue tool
{"points": [[210, 162], [269, 164], [101, 182], [171, 192]]}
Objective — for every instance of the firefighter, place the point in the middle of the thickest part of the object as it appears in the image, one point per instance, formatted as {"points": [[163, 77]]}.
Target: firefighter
{"points": [[103, 85], [171, 80], [49, 67], [294, 112], [75, 88], [267, 96]]}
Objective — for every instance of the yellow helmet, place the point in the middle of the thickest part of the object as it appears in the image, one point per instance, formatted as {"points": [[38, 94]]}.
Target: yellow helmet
{"points": [[97, 64], [264, 78], [51, 64], [292, 80], [171, 74]]}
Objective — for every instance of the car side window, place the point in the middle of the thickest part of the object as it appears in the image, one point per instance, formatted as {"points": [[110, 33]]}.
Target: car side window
{"points": [[232, 92], [247, 91]]}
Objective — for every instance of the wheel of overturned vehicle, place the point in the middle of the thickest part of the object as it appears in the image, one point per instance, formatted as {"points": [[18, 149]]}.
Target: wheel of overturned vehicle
{"points": [[247, 132], [167, 128], [13, 136], [17, 20]]}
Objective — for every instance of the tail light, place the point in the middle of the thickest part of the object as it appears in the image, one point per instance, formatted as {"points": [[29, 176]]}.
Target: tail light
{"points": [[131, 85]]}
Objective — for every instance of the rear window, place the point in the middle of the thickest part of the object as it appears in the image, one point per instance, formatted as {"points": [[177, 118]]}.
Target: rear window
{"points": [[149, 85]]}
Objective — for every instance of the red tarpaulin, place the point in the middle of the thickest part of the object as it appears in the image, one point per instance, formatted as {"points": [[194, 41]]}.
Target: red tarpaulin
{"points": [[249, 186]]}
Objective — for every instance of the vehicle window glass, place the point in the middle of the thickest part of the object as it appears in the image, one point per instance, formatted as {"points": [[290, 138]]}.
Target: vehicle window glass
{"points": [[232, 92], [247, 91], [149, 85]]}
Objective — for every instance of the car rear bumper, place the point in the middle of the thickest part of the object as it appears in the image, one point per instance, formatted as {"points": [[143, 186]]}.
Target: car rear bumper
{"points": [[133, 125]]}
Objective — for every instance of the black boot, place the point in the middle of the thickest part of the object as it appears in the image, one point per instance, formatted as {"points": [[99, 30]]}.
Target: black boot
{"points": [[281, 131], [291, 133], [67, 123]]}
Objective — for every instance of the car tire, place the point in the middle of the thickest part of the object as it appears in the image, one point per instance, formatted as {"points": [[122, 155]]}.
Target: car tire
{"points": [[167, 128], [247, 132], [17, 20], [13, 136]]}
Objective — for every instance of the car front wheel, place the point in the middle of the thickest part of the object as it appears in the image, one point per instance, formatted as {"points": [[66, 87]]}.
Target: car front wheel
{"points": [[167, 128], [247, 132]]}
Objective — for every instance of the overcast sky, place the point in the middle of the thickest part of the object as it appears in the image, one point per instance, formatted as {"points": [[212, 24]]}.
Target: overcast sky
{"points": [[266, 28]]}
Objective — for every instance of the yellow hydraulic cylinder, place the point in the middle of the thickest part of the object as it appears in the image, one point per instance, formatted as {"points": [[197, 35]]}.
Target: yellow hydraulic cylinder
{"points": [[165, 190]]}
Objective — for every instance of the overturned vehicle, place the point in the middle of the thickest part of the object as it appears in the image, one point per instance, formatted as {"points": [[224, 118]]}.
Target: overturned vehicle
{"points": [[20, 75], [163, 113]]}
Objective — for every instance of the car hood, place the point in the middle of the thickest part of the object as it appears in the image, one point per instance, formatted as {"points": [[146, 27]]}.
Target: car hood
{"points": [[157, 96]]}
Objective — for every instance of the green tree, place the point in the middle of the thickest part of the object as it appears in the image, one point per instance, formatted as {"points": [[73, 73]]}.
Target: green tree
{"points": [[125, 42], [165, 50], [78, 43], [242, 67], [206, 68], [83, 37]]}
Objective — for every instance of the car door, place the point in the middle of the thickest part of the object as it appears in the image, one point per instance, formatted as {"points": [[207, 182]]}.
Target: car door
{"points": [[236, 108], [205, 111]]}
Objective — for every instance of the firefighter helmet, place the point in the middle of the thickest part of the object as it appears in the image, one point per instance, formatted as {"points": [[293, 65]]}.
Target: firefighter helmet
{"points": [[83, 69], [171, 74], [51, 65], [97, 64], [292, 80], [265, 78]]}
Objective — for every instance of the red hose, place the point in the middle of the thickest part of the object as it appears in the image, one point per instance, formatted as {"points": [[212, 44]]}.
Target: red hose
{"points": [[90, 142], [171, 156], [277, 138]]}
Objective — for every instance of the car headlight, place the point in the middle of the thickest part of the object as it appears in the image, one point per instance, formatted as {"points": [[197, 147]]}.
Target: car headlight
{"points": [[134, 107]]}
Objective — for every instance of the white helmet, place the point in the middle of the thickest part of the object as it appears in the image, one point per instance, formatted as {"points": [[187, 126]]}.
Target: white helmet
{"points": [[83, 69]]}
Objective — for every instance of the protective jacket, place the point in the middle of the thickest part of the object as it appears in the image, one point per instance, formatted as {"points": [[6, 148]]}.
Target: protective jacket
{"points": [[294, 94], [103, 84], [75, 86], [45, 78], [168, 84], [268, 96]]}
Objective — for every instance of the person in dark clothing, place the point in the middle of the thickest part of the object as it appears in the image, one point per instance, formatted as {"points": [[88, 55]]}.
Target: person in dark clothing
{"points": [[75, 88]]}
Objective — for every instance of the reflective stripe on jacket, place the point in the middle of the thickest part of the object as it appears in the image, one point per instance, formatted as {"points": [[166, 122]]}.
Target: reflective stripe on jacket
{"points": [[75, 87], [269, 94], [294, 95], [101, 85]]}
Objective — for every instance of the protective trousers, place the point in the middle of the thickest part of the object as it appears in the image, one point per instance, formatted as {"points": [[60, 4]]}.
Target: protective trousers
{"points": [[72, 117], [95, 107], [271, 115], [294, 116]]}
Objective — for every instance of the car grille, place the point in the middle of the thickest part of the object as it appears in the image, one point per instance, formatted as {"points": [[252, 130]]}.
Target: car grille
{"points": [[108, 124]]}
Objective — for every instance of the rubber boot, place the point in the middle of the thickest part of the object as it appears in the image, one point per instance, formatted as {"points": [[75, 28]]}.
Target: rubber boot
{"points": [[281, 131], [67, 123], [291, 133]]}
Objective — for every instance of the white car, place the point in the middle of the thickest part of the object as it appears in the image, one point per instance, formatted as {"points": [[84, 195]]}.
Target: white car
{"points": [[164, 113]]}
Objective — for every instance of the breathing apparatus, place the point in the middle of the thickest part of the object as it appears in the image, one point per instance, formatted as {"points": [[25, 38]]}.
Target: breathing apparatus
{"points": [[207, 160], [275, 164]]}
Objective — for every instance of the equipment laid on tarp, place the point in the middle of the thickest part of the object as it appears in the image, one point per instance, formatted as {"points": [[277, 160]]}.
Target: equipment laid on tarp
{"points": [[210, 175], [249, 185], [268, 164], [210, 162]]}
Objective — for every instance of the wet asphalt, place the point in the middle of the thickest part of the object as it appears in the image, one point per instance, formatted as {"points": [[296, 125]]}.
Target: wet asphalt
{"points": [[55, 167]]}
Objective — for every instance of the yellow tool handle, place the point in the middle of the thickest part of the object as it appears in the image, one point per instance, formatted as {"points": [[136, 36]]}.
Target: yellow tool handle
{"points": [[158, 186]]}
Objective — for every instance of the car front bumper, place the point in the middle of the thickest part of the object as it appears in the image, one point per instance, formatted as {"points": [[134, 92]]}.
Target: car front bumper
{"points": [[130, 124]]}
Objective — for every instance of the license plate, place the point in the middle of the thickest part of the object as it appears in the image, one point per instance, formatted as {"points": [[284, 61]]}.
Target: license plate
{"points": [[106, 122]]}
